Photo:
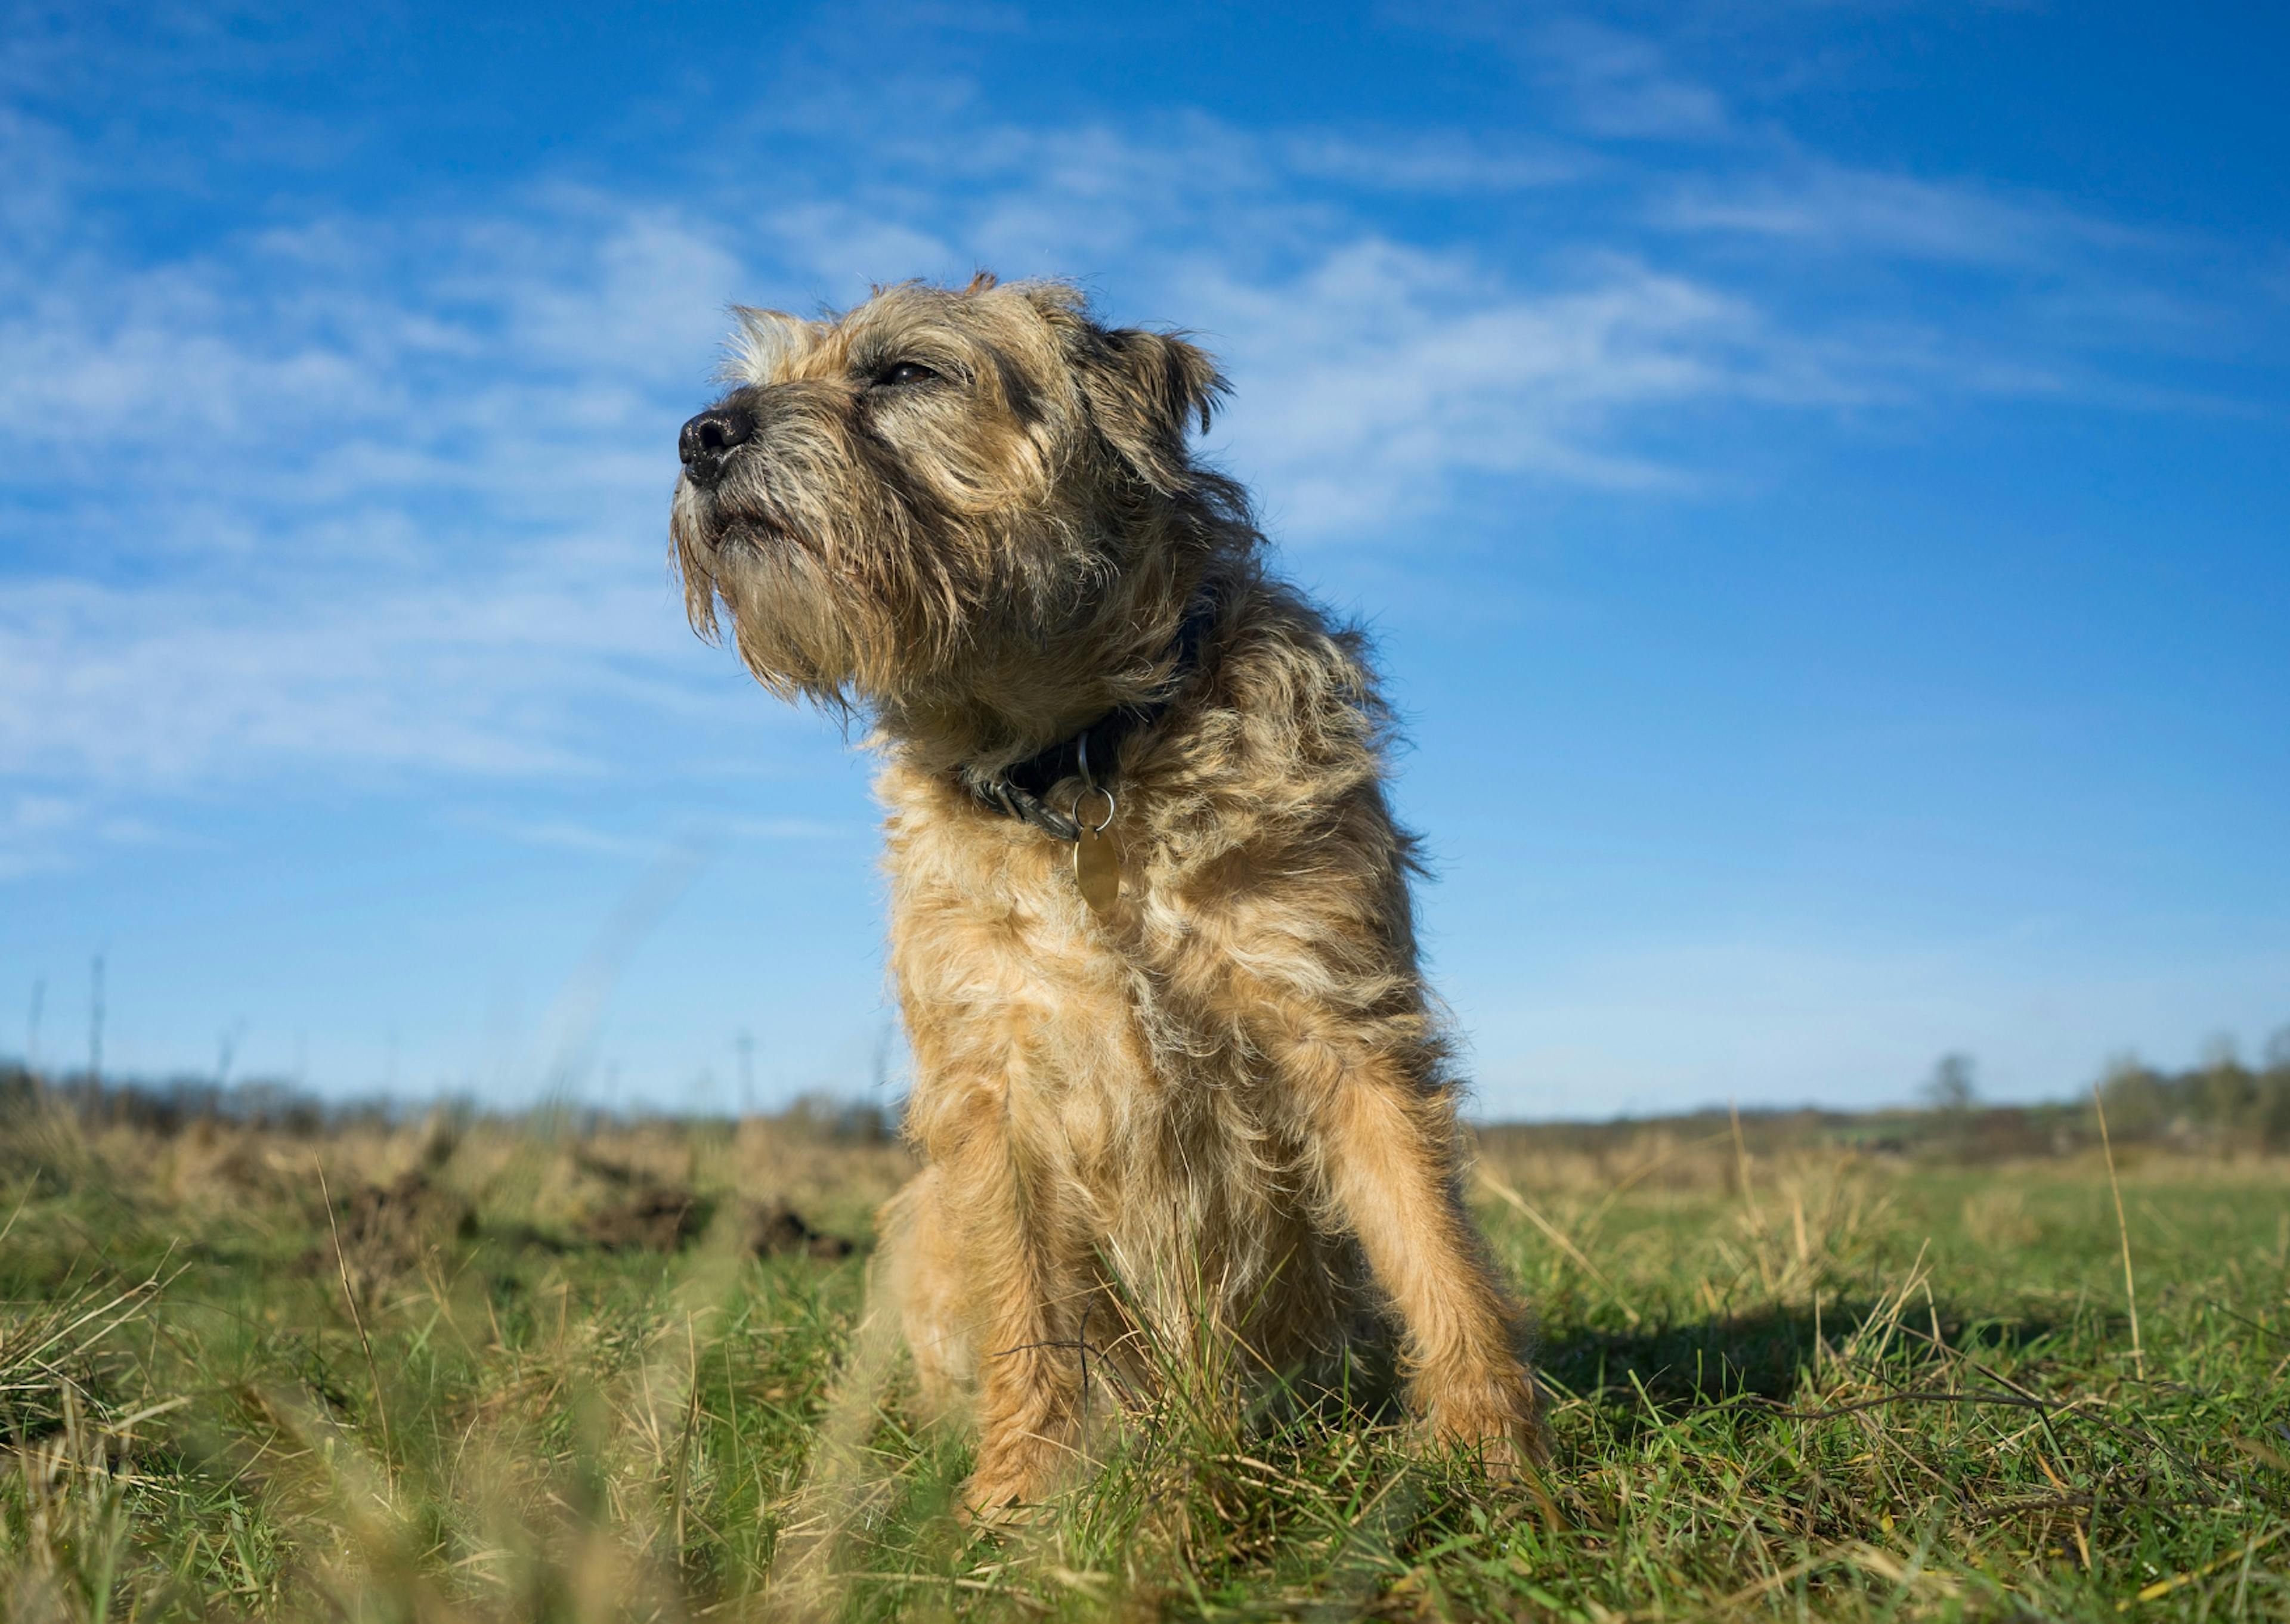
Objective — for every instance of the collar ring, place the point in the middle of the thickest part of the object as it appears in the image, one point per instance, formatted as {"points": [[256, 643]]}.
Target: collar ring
{"points": [[1102, 824]]}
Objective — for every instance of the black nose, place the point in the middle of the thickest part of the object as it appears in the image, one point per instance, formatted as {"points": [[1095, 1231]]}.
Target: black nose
{"points": [[709, 438]]}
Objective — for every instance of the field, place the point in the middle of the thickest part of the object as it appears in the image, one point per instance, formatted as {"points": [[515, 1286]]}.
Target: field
{"points": [[486, 1369]]}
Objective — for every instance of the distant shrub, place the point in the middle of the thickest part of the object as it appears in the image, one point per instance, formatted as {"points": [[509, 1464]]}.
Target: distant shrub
{"points": [[2223, 1101], [1951, 1087]]}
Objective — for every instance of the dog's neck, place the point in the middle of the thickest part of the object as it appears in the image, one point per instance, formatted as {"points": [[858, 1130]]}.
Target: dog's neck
{"points": [[1031, 703], [1090, 756]]}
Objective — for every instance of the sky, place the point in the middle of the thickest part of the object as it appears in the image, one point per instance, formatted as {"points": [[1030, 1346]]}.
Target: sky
{"points": [[1815, 473]]}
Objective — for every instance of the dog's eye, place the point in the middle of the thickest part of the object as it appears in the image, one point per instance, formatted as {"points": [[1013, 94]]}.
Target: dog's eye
{"points": [[904, 371]]}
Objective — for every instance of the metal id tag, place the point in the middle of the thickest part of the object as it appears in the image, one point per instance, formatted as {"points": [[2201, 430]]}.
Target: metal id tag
{"points": [[1097, 867]]}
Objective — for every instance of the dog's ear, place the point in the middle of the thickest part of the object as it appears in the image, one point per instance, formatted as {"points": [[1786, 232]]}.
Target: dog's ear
{"points": [[1145, 392]]}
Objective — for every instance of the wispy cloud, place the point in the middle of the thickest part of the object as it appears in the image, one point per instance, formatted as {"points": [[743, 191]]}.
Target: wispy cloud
{"points": [[1619, 85], [1833, 209], [558, 834], [370, 491], [1369, 381], [159, 686], [1438, 162], [40, 831]]}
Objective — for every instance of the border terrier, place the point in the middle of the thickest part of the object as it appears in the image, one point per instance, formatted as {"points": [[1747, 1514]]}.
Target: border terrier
{"points": [[1177, 1082]]}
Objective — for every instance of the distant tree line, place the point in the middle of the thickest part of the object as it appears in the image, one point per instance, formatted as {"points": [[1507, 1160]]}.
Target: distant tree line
{"points": [[167, 1106], [2221, 1101]]}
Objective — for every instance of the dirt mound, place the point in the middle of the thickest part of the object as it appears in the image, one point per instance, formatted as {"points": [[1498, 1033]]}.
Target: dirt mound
{"points": [[779, 1231], [412, 1207], [385, 1229], [650, 1218]]}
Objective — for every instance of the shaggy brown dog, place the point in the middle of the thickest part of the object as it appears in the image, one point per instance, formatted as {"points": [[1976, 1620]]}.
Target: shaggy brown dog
{"points": [[1177, 1079]]}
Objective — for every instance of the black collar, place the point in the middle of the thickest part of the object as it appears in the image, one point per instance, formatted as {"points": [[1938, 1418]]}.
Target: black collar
{"points": [[1021, 791]]}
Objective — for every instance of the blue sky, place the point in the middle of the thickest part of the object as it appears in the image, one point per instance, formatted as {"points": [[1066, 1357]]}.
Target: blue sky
{"points": [[1816, 473]]}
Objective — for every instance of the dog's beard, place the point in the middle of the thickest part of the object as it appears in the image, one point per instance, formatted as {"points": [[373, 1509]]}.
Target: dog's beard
{"points": [[799, 628]]}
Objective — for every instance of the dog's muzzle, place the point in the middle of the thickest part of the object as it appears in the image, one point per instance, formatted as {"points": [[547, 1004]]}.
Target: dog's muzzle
{"points": [[709, 440]]}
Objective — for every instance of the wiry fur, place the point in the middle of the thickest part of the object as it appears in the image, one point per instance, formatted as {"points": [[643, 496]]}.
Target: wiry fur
{"points": [[1232, 1100]]}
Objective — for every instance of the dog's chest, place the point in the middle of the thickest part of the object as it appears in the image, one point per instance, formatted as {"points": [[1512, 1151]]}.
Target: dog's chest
{"points": [[1010, 983]]}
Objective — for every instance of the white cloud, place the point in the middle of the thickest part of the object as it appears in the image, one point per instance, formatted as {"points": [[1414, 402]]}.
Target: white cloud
{"points": [[1366, 384], [164, 686], [572, 835], [1439, 162], [38, 831], [1838, 210], [1620, 86], [365, 494]]}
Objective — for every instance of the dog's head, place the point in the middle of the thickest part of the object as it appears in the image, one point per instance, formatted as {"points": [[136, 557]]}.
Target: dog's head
{"points": [[888, 497]]}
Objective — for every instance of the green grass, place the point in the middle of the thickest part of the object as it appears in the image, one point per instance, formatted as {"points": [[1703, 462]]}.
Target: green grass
{"points": [[1784, 1384]]}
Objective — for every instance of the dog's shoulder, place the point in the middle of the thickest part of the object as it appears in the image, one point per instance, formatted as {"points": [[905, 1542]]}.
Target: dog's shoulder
{"points": [[1292, 705]]}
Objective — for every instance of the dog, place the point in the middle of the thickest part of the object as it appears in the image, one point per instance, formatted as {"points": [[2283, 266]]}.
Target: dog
{"points": [[1177, 1080]]}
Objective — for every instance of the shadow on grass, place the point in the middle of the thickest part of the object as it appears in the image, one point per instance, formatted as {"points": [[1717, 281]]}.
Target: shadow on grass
{"points": [[1769, 1354]]}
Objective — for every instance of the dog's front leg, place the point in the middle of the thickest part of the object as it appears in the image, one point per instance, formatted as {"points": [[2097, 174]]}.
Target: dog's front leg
{"points": [[1392, 1173], [1023, 1268], [1384, 1142]]}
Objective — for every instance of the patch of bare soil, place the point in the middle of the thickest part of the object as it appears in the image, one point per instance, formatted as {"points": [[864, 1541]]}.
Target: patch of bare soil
{"points": [[779, 1231], [649, 1218], [385, 1229]]}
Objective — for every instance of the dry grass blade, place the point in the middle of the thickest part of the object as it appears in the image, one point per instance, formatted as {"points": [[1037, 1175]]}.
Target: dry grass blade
{"points": [[2123, 1228], [2162, 1587], [1559, 1238], [357, 1319]]}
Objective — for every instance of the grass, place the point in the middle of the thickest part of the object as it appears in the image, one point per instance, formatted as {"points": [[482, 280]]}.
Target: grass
{"points": [[518, 1370]]}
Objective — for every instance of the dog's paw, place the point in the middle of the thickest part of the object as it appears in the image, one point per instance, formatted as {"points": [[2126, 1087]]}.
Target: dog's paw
{"points": [[990, 1511], [1010, 1484], [1497, 1422], [991, 1502]]}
